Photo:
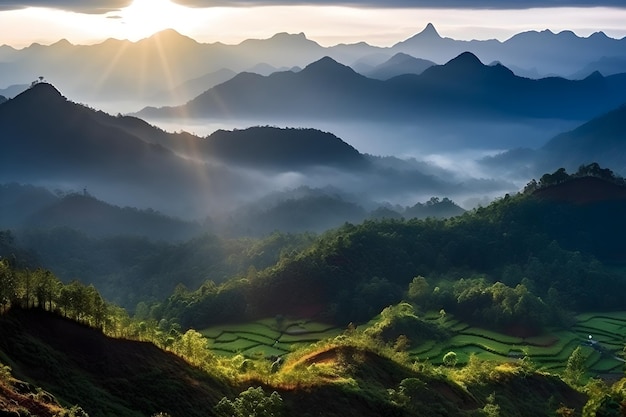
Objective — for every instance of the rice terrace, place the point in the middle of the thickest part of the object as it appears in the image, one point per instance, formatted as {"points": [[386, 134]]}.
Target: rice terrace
{"points": [[602, 335]]}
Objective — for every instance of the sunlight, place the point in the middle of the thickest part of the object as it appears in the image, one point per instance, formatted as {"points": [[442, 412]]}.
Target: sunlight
{"points": [[145, 17]]}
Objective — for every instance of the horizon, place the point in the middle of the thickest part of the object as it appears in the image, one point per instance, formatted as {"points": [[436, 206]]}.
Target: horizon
{"points": [[326, 24]]}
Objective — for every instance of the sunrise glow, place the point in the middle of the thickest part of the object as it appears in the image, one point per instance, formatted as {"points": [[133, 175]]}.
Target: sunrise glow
{"points": [[326, 24]]}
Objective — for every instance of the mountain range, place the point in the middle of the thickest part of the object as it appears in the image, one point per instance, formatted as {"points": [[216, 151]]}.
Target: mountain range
{"points": [[124, 70], [127, 162], [462, 88]]}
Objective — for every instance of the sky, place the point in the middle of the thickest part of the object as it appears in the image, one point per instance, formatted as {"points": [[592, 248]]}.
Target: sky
{"points": [[377, 22]]}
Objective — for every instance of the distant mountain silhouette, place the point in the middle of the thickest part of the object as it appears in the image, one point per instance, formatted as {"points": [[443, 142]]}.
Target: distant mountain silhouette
{"points": [[136, 70], [463, 87], [264, 68], [85, 213], [2, 99], [125, 161], [296, 212], [599, 140], [46, 131], [399, 64], [319, 90], [18, 201], [605, 66], [13, 90], [47, 138], [545, 51], [192, 88]]}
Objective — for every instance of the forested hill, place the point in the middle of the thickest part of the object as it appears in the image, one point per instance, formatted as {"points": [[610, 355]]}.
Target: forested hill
{"points": [[104, 376], [584, 191], [274, 148], [547, 249], [85, 213]]}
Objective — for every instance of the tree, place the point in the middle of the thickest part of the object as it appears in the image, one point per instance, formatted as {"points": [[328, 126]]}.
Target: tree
{"points": [[193, 347], [7, 285], [575, 369], [46, 288], [450, 359], [418, 288], [251, 403]]}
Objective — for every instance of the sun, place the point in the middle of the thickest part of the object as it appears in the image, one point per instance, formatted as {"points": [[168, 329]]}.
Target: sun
{"points": [[145, 17]]}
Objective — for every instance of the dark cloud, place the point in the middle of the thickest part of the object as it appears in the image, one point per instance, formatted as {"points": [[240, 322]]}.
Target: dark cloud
{"points": [[440, 4], [80, 6]]}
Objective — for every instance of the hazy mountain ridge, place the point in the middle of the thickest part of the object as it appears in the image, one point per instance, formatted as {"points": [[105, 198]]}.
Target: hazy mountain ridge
{"points": [[66, 143], [462, 88], [127, 162], [398, 64], [13, 90], [551, 53], [192, 88], [544, 51], [96, 218], [599, 140]]}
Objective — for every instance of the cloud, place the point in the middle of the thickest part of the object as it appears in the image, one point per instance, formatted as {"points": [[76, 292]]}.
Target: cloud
{"points": [[79, 6], [435, 4]]}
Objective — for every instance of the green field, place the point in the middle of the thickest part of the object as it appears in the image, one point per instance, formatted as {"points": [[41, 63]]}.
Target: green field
{"points": [[267, 337], [548, 351]]}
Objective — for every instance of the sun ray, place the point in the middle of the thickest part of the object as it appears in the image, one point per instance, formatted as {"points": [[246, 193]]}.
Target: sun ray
{"points": [[106, 73]]}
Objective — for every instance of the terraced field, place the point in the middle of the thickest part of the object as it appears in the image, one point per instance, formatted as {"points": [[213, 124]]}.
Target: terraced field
{"points": [[550, 351], [266, 338], [602, 335]]}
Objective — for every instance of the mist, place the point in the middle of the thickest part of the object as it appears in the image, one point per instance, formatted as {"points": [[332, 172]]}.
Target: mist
{"points": [[413, 161]]}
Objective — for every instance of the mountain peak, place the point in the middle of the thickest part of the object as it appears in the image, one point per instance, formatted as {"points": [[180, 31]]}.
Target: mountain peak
{"points": [[327, 65], [285, 35], [169, 36], [598, 35], [429, 32], [41, 92], [596, 75], [62, 43], [466, 59]]}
